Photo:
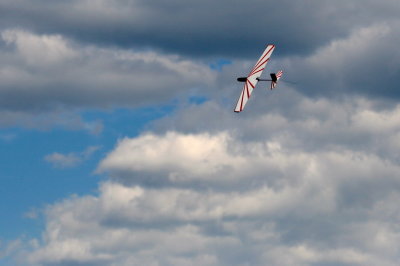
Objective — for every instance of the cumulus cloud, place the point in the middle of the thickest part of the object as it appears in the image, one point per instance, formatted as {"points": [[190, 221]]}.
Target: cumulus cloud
{"points": [[301, 123], [129, 225], [175, 154], [299, 178], [278, 198]]}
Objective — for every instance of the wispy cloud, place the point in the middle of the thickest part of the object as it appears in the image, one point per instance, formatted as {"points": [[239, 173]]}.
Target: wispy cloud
{"points": [[60, 160], [7, 137], [33, 214]]}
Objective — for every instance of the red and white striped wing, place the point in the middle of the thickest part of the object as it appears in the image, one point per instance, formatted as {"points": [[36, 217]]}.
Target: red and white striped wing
{"points": [[251, 81]]}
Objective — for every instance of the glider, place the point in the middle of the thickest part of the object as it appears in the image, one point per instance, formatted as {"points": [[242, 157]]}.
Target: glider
{"points": [[253, 78]]}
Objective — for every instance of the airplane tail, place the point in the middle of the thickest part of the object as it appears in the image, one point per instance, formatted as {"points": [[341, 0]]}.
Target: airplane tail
{"points": [[275, 77]]}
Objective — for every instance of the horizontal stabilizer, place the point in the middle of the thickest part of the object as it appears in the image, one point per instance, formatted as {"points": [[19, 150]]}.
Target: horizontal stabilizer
{"points": [[275, 78]]}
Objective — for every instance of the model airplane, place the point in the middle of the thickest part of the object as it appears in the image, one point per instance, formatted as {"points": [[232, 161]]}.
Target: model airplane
{"points": [[253, 78]]}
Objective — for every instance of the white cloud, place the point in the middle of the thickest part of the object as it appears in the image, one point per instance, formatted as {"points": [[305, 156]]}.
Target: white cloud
{"points": [[282, 196], [300, 191], [179, 155], [329, 204]]}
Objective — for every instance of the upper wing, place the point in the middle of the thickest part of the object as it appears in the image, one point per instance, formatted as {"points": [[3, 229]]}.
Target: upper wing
{"points": [[251, 81]]}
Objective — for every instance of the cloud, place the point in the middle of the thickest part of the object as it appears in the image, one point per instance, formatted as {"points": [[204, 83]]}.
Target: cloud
{"points": [[9, 248], [229, 30], [72, 159], [39, 50], [293, 187], [68, 120], [307, 175], [129, 225], [61, 160], [287, 117], [56, 71], [7, 137], [199, 156], [365, 62], [47, 73], [33, 214]]}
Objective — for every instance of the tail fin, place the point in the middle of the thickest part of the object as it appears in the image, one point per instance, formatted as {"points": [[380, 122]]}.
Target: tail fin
{"points": [[275, 78]]}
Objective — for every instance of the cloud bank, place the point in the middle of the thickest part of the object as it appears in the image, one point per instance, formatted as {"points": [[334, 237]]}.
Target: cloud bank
{"points": [[221, 198], [206, 28]]}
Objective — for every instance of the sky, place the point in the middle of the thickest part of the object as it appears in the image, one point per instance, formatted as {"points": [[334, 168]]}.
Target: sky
{"points": [[119, 144]]}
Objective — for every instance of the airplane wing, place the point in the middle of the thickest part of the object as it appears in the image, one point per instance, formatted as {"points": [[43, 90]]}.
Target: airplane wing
{"points": [[251, 81]]}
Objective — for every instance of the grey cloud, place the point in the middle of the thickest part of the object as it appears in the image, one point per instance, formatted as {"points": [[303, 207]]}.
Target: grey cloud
{"points": [[48, 72], [346, 54], [363, 63], [366, 62], [223, 28]]}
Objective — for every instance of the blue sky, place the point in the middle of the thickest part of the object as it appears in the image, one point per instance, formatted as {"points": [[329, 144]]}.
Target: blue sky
{"points": [[119, 144], [29, 182]]}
